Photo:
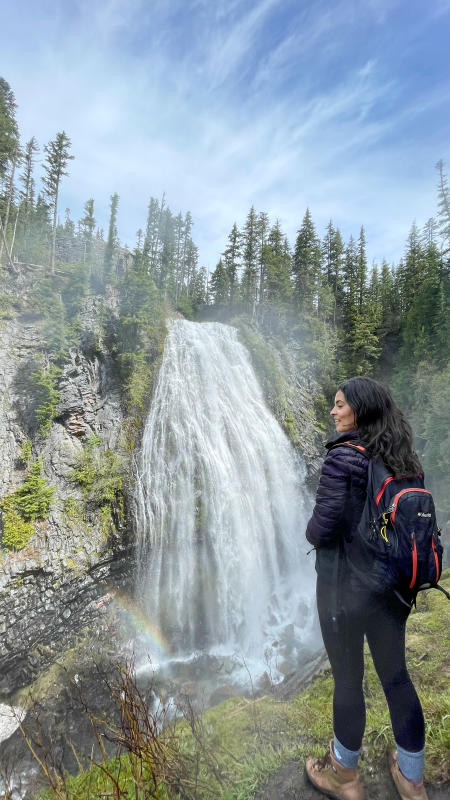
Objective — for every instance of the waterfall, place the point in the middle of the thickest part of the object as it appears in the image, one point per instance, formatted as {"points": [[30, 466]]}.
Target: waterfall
{"points": [[220, 505]]}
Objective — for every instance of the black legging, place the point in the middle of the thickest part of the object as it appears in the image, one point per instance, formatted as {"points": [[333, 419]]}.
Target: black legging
{"points": [[383, 621]]}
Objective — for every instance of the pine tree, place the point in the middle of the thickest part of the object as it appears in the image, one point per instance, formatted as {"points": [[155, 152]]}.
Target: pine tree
{"points": [[28, 186], [165, 275], [306, 265], [277, 268], [185, 260], [232, 263], [443, 205], [150, 247], [412, 271], [178, 233], [350, 269], [191, 262], [9, 132], [112, 240], [388, 300], [333, 259], [55, 167], [250, 259], [219, 285], [9, 200], [198, 289], [87, 226], [361, 270], [262, 226]]}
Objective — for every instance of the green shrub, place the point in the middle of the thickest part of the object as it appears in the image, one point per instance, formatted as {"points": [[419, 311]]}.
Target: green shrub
{"points": [[21, 508], [25, 452], [47, 396], [33, 499], [16, 532], [72, 509], [99, 473]]}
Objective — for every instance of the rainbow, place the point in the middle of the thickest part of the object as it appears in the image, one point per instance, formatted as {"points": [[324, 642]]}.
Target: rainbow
{"points": [[142, 623]]}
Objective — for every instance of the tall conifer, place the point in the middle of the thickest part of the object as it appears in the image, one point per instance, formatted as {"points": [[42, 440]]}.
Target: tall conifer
{"points": [[55, 168]]}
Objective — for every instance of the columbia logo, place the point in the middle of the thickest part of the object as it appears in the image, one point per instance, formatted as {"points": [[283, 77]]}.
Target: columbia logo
{"points": [[422, 514]]}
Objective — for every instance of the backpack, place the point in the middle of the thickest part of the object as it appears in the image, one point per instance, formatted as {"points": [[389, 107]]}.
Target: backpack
{"points": [[397, 543]]}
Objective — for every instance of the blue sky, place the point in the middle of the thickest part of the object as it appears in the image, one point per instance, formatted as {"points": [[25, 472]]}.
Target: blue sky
{"points": [[340, 106]]}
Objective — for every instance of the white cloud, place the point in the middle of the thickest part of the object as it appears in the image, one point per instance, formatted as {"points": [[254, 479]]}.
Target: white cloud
{"points": [[146, 118]]}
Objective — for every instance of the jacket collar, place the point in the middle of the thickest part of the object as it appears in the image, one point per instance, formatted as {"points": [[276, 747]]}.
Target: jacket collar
{"points": [[342, 437]]}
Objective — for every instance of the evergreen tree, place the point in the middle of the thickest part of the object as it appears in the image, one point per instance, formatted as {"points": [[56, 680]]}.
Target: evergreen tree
{"points": [[333, 258], [191, 262], [262, 229], [306, 265], [443, 205], [187, 253], [165, 275], [219, 285], [178, 234], [8, 201], [198, 289], [250, 259], [9, 132], [55, 167], [350, 269], [112, 240], [277, 268], [9, 158], [361, 270], [388, 300], [139, 239], [430, 231], [87, 226], [150, 247], [232, 263], [28, 186]]}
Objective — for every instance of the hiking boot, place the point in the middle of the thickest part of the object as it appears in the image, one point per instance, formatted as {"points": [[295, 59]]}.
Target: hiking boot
{"points": [[408, 790], [332, 779]]}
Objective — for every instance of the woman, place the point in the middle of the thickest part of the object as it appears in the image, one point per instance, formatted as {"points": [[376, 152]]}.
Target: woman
{"points": [[364, 413]]}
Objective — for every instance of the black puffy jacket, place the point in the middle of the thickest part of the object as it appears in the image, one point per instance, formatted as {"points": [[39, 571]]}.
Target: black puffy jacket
{"points": [[339, 503]]}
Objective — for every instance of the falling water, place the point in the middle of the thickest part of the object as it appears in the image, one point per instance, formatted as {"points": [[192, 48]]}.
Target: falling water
{"points": [[220, 505]]}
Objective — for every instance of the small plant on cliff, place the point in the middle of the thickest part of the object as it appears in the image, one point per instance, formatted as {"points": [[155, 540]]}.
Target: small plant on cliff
{"points": [[47, 396], [21, 508], [99, 473], [25, 452]]}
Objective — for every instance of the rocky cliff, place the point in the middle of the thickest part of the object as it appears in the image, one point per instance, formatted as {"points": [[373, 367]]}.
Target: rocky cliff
{"points": [[53, 587]]}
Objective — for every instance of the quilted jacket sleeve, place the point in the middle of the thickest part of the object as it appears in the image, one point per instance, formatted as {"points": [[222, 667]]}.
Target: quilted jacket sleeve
{"points": [[329, 514]]}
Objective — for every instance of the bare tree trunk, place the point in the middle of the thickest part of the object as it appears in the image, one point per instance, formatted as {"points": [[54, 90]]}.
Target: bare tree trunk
{"points": [[8, 206], [55, 213], [5, 244], [14, 232]]}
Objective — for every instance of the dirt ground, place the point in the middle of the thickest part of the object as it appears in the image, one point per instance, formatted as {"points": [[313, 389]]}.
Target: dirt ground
{"points": [[290, 783]]}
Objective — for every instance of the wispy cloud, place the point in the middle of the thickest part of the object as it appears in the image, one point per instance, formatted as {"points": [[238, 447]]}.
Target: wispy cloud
{"points": [[228, 104]]}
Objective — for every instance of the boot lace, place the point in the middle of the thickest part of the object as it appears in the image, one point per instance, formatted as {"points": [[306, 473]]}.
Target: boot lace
{"points": [[323, 762]]}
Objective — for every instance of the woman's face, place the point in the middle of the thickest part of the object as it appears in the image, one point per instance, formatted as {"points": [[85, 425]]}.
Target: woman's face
{"points": [[343, 415]]}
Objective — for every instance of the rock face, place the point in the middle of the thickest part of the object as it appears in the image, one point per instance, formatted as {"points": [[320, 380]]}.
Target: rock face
{"points": [[52, 588]]}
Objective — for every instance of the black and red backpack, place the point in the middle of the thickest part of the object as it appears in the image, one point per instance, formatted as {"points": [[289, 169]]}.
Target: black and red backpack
{"points": [[397, 543]]}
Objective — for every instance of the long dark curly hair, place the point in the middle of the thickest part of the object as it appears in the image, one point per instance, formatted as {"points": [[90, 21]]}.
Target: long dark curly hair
{"points": [[381, 425]]}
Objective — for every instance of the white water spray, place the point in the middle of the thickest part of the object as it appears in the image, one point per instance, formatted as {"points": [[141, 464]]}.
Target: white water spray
{"points": [[220, 505]]}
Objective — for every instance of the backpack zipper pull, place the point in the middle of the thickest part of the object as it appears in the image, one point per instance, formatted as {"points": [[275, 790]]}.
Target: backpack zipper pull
{"points": [[414, 560]]}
